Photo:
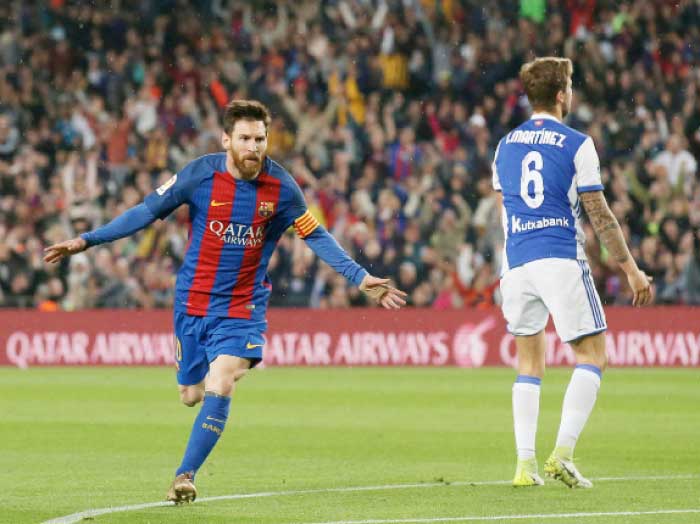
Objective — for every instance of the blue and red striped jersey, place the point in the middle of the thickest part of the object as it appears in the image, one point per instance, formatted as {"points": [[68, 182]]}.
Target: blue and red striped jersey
{"points": [[234, 228]]}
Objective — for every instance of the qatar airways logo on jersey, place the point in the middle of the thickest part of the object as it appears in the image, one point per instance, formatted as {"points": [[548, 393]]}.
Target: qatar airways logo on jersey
{"points": [[518, 226], [238, 234]]}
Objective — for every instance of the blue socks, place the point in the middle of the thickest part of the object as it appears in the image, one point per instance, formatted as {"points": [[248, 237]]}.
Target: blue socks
{"points": [[208, 427]]}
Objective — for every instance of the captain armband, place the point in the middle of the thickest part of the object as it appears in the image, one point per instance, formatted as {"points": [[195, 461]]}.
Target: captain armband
{"points": [[305, 224]]}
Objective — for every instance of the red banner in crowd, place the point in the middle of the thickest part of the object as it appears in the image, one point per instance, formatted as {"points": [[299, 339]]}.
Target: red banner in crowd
{"points": [[354, 337]]}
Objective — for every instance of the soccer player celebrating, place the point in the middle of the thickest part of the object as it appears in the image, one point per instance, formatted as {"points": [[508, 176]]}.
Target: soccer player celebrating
{"points": [[545, 172], [241, 202]]}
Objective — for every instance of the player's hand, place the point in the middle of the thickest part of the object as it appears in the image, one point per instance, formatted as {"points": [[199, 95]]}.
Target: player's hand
{"points": [[64, 249], [640, 283], [379, 290]]}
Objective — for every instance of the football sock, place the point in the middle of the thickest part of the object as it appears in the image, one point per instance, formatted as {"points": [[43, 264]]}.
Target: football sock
{"points": [[206, 431], [526, 409], [579, 400]]}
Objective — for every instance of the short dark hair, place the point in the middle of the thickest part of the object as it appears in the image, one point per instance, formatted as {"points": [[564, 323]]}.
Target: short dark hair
{"points": [[245, 110], [543, 78]]}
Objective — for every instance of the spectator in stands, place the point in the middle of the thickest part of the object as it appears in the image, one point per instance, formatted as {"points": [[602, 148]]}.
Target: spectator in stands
{"points": [[678, 164]]}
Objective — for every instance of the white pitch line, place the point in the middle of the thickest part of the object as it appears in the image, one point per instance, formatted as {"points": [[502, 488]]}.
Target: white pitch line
{"points": [[517, 517], [77, 517]]}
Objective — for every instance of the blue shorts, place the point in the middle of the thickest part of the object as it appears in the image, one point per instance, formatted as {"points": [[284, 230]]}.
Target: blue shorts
{"points": [[199, 340]]}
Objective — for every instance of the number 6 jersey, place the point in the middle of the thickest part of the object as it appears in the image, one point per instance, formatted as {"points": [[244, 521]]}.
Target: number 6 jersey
{"points": [[541, 167]]}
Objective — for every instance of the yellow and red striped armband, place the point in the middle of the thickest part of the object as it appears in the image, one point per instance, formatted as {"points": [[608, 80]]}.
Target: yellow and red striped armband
{"points": [[305, 224]]}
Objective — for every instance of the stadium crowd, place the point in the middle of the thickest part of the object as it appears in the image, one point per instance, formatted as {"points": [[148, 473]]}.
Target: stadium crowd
{"points": [[387, 112]]}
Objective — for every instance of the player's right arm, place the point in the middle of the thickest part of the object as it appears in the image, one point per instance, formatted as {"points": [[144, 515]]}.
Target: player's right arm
{"points": [[158, 204], [128, 223]]}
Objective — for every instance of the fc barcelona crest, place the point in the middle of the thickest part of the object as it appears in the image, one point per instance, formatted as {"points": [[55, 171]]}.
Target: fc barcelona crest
{"points": [[266, 209]]}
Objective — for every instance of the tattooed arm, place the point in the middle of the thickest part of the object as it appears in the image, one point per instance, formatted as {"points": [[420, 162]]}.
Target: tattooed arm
{"points": [[606, 227], [608, 231]]}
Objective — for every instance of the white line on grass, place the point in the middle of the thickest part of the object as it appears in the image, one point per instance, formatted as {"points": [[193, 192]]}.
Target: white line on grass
{"points": [[77, 517], [517, 517]]}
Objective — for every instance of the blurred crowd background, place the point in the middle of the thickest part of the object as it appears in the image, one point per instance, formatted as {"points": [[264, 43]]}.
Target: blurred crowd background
{"points": [[387, 112]]}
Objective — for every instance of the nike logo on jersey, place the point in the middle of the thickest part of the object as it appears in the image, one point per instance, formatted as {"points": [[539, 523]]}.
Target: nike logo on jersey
{"points": [[216, 419], [253, 346], [214, 203]]}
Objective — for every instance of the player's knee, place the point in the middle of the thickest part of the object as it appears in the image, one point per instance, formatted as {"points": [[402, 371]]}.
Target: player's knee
{"points": [[221, 385], [591, 350], [225, 385], [190, 397]]}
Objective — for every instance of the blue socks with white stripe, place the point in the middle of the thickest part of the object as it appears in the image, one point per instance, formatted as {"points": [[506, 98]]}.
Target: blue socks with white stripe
{"points": [[526, 409], [207, 428], [579, 400]]}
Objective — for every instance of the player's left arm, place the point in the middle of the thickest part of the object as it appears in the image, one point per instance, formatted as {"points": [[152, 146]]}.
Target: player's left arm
{"points": [[327, 249]]}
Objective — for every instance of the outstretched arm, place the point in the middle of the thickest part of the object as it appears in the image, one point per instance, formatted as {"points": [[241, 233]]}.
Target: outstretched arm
{"points": [[608, 231], [158, 204], [325, 246], [128, 223]]}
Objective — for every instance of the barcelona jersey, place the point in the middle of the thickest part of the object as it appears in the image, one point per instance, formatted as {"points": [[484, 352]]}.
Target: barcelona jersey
{"points": [[234, 228]]}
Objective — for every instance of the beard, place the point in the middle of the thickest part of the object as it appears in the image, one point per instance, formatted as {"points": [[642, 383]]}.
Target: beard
{"points": [[247, 164]]}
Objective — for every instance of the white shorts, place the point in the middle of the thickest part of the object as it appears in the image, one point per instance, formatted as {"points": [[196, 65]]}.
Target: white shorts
{"points": [[562, 287]]}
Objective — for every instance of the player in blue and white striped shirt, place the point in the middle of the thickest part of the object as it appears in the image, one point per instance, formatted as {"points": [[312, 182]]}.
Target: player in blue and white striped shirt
{"points": [[546, 171]]}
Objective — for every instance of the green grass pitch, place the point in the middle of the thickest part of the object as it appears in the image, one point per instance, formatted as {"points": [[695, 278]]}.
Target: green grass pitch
{"points": [[76, 439]]}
